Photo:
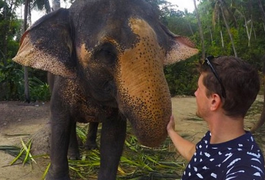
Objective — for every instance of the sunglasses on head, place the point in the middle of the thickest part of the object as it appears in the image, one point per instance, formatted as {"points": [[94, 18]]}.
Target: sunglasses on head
{"points": [[208, 62]]}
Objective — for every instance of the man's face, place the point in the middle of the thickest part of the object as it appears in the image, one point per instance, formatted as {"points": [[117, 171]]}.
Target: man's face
{"points": [[201, 98]]}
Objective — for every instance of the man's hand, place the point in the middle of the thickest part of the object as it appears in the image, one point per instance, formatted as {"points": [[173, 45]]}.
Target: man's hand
{"points": [[171, 124]]}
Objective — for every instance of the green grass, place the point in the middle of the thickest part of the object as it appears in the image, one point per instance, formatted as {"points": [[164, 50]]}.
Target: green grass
{"points": [[195, 118], [137, 161]]}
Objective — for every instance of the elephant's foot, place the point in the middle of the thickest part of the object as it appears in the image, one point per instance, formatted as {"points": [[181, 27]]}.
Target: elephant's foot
{"points": [[73, 154], [90, 145]]}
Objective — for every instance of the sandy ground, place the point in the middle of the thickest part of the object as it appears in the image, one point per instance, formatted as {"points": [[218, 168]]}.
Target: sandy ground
{"points": [[19, 120]]}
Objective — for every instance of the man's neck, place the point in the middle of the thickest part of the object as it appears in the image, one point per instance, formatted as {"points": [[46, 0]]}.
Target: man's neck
{"points": [[224, 128]]}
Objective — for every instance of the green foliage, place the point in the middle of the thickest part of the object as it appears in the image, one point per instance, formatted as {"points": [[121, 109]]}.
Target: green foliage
{"points": [[182, 77], [11, 74], [39, 90], [12, 83], [136, 161], [9, 29], [23, 154], [243, 17]]}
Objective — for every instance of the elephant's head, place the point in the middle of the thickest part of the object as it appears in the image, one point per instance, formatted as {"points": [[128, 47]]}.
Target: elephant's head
{"points": [[116, 50]]}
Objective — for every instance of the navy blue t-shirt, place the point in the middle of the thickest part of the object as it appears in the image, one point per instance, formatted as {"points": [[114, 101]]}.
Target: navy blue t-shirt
{"points": [[238, 159]]}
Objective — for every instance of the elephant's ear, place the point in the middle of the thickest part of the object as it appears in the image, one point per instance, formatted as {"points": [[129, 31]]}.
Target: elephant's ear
{"points": [[48, 46], [181, 48]]}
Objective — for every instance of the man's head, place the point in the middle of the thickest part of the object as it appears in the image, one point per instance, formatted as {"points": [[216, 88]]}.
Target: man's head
{"points": [[234, 80]]}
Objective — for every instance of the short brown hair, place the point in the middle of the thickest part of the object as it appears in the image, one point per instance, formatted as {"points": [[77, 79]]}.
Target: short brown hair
{"points": [[240, 81]]}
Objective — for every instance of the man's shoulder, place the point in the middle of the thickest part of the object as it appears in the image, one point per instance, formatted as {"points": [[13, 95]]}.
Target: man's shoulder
{"points": [[246, 163], [246, 168]]}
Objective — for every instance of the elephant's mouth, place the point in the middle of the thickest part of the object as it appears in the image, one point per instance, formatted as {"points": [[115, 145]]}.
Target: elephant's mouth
{"points": [[148, 121], [150, 131], [109, 90]]}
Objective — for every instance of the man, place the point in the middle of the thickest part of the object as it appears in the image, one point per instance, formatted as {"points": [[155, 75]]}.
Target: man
{"points": [[227, 87]]}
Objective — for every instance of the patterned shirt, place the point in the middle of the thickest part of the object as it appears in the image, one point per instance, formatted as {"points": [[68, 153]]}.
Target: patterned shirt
{"points": [[238, 159]]}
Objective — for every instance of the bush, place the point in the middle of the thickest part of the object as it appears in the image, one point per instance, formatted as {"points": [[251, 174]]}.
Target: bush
{"points": [[182, 77], [39, 91], [12, 83]]}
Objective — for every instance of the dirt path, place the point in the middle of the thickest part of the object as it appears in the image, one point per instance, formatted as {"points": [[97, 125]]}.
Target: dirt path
{"points": [[19, 120]]}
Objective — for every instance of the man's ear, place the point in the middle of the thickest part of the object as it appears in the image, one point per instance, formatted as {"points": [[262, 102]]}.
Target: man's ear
{"points": [[48, 46], [215, 101]]}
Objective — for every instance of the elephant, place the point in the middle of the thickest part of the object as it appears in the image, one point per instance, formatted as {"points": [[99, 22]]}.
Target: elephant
{"points": [[107, 58]]}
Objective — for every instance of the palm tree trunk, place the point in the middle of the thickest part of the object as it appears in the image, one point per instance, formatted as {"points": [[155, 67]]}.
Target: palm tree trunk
{"points": [[211, 35], [200, 29], [228, 28], [5, 30], [26, 76], [262, 11], [222, 39]]}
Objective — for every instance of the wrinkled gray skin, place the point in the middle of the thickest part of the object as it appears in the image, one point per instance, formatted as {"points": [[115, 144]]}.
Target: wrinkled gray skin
{"points": [[107, 58]]}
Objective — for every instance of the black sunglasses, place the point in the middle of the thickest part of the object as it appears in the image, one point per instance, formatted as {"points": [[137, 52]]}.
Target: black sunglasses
{"points": [[208, 61]]}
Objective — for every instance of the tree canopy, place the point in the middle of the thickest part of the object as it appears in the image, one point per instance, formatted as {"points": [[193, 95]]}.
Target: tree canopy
{"points": [[228, 27]]}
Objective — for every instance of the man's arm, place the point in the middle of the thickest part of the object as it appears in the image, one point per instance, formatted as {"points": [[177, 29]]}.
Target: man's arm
{"points": [[184, 147]]}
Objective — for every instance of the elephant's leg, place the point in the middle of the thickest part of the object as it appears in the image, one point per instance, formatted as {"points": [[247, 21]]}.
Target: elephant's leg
{"points": [[60, 137], [73, 151], [111, 146], [92, 136]]}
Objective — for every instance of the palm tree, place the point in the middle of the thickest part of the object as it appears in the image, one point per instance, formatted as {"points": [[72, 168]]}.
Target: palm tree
{"points": [[200, 29], [262, 11], [26, 78], [248, 25], [222, 9], [42, 4], [222, 5]]}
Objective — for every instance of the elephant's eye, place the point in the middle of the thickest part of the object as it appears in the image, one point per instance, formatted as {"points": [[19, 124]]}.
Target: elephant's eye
{"points": [[106, 53]]}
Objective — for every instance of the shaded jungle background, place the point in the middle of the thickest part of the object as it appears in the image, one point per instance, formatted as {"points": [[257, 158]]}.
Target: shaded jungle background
{"points": [[217, 27]]}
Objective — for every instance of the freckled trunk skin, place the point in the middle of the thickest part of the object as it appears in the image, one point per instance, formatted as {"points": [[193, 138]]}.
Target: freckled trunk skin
{"points": [[147, 105], [143, 94]]}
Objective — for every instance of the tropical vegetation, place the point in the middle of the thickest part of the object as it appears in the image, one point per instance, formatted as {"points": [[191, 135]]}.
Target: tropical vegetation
{"points": [[217, 27]]}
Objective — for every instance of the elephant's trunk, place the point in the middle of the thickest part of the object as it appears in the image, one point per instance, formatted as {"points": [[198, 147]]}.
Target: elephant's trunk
{"points": [[148, 115], [143, 96], [148, 107]]}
